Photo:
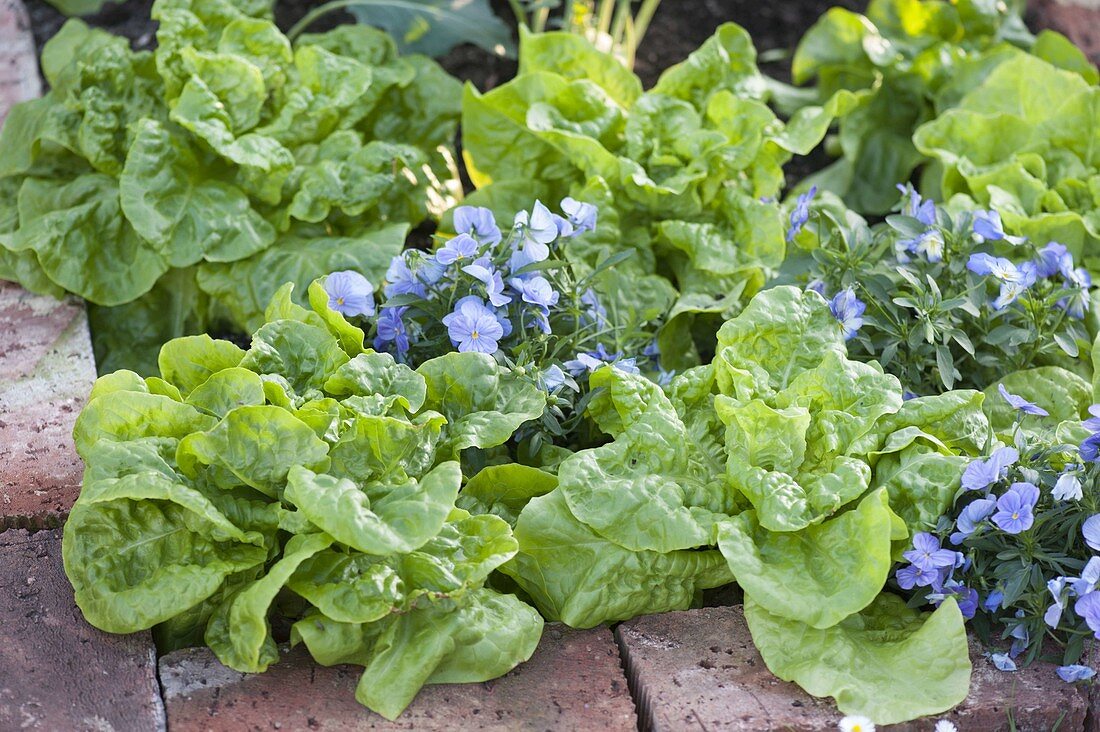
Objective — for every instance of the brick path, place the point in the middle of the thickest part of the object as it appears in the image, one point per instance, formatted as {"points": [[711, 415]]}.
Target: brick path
{"points": [[688, 670]]}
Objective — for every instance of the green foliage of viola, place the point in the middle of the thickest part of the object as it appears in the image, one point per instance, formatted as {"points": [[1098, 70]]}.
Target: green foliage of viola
{"points": [[907, 61], [175, 190], [784, 466], [1024, 142], [678, 173], [306, 479], [942, 311]]}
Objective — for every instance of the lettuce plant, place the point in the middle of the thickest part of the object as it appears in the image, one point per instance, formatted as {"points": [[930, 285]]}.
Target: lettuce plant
{"points": [[175, 190], [305, 479], [906, 60], [784, 466], [684, 175], [1024, 142]]}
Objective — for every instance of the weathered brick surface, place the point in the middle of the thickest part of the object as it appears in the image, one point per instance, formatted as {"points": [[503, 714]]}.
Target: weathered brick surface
{"points": [[700, 669], [19, 78], [1079, 20], [573, 682], [46, 372], [56, 671]]}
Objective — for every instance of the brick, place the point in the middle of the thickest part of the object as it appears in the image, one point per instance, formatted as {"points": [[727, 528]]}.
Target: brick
{"points": [[19, 80], [1079, 20], [700, 669], [56, 671], [572, 682], [46, 372]]}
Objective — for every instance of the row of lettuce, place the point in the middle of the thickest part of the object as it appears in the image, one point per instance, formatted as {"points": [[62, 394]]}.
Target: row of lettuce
{"points": [[677, 382]]}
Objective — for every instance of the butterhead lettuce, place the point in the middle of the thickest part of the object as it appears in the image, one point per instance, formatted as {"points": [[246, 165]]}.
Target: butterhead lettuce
{"points": [[309, 479], [176, 189], [783, 466]]}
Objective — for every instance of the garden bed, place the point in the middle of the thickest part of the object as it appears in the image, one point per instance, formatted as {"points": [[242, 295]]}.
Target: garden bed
{"points": [[479, 482]]}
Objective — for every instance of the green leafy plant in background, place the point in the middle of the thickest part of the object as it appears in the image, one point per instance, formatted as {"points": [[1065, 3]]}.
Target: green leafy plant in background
{"points": [[1026, 141], [907, 61], [434, 27], [81, 7], [176, 190], [307, 479], [684, 175], [936, 316], [784, 466]]}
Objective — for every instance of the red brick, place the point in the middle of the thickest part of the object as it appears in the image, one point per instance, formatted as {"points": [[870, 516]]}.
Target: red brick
{"points": [[56, 671], [1079, 20], [19, 80], [700, 669], [573, 682], [46, 372]]}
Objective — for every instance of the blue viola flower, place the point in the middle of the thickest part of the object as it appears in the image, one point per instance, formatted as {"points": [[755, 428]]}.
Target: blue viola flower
{"points": [[971, 515], [966, 597], [801, 213], [1002, 662], [848, 310], [430, 271], [538, 229], [817, 286], [923, 210], [987, 226], [553, 378], [1090, 577], [603, 354], [391, 329], [1090, 449], [1015, 508], [537, 291], [628, 365], [458, 249], [927, 555], [1053, 614], [473, 327], [1088, 608], [928, 245], [1090, 529], [1020, 404], [980, 474], [564, 226], [350, 293], [998, 267], [652, 350], [483, 272], [1068, 488], [581, 215], [1079, 281], [477, 222], [1054, 259], [401, 280], [594, 310], [993, 601], [582, 363], [912, 576], [1074, 673], [1092, 424]]}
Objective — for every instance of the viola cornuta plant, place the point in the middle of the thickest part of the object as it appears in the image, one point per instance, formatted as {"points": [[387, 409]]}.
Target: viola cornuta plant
{"points": [[1019, 548], [512, 293], [177, 189], [306, 479], [947, 298]]}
